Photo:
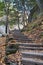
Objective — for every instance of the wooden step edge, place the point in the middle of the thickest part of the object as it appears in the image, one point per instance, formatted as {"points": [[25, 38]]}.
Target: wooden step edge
{"points": [[32, 60], [30, 48], [31, 44], [32, 53]]}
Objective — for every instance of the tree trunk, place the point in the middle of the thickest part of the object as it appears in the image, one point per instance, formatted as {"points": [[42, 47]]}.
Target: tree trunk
{"points": [[6, 30], [18, 23], [40, 4], [24, 16]]}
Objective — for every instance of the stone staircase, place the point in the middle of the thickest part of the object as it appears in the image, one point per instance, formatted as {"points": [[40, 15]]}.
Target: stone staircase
{"points": [[20, 37], [32, 53]]}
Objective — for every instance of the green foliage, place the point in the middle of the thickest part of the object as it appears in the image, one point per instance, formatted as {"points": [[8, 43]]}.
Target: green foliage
{"points": [[12, 22], [2, 6], [1, 13], [33, 1], [1, 9], [23, 1], [41, 1], [2, 23]]}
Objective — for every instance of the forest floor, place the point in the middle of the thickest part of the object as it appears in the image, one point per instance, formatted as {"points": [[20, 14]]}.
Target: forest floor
{"points": [[35, 32]]}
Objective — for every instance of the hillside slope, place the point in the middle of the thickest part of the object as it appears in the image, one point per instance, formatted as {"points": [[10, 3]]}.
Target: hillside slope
{"points": [[34, 30]]}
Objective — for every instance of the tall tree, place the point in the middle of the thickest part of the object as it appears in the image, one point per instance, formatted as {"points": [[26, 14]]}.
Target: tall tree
{"points": [[34, 9], [23, 4]]}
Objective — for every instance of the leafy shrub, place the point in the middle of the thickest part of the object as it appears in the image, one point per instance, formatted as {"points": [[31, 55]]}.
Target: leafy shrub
{"points": [[12, 49]]}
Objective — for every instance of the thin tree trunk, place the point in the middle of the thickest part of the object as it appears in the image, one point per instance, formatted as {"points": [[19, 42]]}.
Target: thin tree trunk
{"points": [[6, 30], [24, 16], [18, 23], [40, 4]]}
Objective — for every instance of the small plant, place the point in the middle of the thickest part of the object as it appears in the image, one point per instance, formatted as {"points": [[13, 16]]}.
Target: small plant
{"points": [[12, 49]]}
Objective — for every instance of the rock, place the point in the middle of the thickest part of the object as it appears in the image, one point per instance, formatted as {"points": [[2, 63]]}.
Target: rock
{"points": [[2, 30], [0, 35]]}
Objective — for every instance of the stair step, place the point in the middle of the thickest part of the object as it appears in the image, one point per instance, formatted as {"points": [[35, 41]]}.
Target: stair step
{"points": [[30, 48], [32, 55], [31, 61], [22, 39], [31, 44]]}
